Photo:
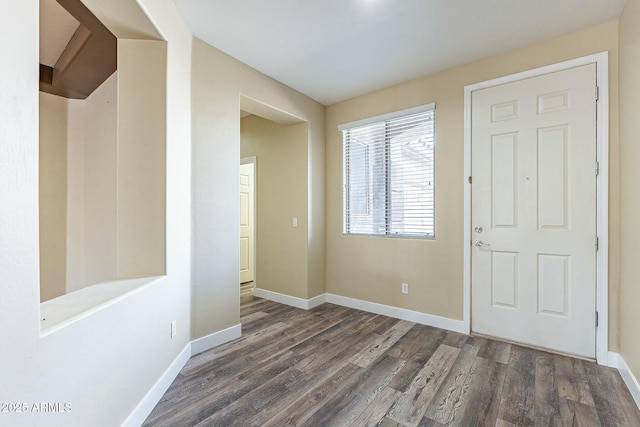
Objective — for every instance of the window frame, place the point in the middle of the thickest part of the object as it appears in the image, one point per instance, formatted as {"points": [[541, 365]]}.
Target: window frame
{"points": [[386, 170]]}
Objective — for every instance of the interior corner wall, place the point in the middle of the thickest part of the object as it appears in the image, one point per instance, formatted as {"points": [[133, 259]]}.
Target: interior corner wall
{"points": [[218, 81], [92, 191], [372, 269], [629, 176], [281, 194], [53, 195], [141, 158], [316, 239], [75, 199]]}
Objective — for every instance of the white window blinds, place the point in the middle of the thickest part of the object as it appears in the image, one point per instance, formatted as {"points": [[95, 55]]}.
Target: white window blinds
{"points": [[389, 174]]}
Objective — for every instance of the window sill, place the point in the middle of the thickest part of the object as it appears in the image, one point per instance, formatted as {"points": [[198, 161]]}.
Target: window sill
{"points": [[57, 313], [392, 236]]}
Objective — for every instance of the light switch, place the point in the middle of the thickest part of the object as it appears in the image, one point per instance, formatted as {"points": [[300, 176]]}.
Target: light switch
{"points": [[295, 222]]}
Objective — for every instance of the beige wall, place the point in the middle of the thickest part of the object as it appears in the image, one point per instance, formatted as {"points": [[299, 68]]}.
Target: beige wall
{"points": [[372, 269], [92, 243], [75, 197], [281, 193], [78, 220], [218, 83], [141, 174], [629, 176], [53, 196]]}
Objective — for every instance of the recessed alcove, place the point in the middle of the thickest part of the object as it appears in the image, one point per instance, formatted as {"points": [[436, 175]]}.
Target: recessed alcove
{"points": [[102, 163]]}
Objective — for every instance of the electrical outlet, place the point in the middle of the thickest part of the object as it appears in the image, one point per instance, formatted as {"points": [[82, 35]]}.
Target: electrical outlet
{"points": [[295, 222], [405, 288], [173, 329]]}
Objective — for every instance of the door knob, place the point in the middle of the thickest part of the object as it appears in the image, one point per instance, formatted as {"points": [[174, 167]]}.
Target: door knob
{"points": [[480, 244]]}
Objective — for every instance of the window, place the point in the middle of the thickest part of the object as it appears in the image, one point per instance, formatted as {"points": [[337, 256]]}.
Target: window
{"points": [[389, 174]]}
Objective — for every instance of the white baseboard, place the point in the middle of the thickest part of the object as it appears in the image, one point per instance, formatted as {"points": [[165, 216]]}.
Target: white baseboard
{"points": [[372, 307], [617, 361], [153, 396], [399, 313], [316, 301], [304, 304], [217, 338]]}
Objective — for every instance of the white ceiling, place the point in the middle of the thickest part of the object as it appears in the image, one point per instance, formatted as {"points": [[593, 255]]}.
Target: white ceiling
{"points": [[56, 28], [333, 50]]}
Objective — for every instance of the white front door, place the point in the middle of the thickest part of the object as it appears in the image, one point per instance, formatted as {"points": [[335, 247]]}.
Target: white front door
{"points": [[247, 174], [533, 216]]}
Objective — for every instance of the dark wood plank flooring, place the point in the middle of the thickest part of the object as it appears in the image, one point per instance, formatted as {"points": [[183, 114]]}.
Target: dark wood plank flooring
{"points": [[246, 291], [335, 366]]}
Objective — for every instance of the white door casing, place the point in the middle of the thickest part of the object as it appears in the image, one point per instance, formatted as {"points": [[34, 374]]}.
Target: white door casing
{"points": [[247, 221], [534, 197]]}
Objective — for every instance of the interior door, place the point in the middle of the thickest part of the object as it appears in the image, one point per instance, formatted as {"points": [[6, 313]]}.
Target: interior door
{"points": [[534, 171], [247, 221]]}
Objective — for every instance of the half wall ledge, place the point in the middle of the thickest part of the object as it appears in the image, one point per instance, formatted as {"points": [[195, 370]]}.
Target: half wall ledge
{"points": [[57, 313]]}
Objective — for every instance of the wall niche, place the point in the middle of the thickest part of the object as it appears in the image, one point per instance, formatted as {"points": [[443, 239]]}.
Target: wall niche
{"points": [[102, 152]]}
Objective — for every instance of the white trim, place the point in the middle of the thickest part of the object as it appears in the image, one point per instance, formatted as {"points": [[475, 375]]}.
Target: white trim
{"points": [[388, 116], [398, 313], [304, 304], [466, 271], [153, 396], [617, 361], [316, 301], [602, 188], [371, 307], [215, 339], [65, 310], [602, 193]]}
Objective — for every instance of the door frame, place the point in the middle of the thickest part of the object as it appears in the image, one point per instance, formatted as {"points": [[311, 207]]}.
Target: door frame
{"points": [[244, 161], [602, 188]]}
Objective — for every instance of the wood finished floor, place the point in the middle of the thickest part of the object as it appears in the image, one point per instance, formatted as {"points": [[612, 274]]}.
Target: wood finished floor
{"points": [[335, 366]]}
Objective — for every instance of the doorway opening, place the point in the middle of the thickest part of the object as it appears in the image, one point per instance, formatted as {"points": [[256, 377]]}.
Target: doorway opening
{"points": [[273, 174], [247, 226]]}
